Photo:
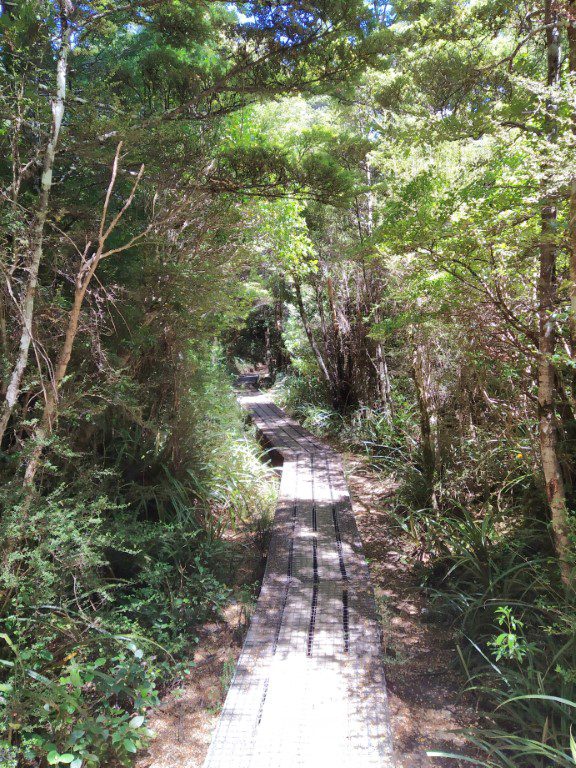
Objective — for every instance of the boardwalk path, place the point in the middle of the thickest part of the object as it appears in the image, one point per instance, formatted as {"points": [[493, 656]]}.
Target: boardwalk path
{"points": [[309, 688]]}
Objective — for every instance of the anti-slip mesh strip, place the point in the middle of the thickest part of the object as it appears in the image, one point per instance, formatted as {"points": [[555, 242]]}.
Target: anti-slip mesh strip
{"points": [[309, 687]]}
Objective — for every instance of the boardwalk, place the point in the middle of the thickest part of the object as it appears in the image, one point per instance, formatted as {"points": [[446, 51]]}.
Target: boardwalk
{"points": [[309, 688]]}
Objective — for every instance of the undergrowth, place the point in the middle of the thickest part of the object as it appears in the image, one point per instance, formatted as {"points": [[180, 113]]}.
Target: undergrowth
{"points": [[106, 576], [485, 559]]}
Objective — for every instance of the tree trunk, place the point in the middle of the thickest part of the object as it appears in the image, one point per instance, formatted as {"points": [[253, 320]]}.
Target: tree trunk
{"points": [[310, 335], [572, 207], [326, 339], [428, 419], [383, 376], [281, 356], [38, 227], [86, 271], [547, 289], [344, 396], [46, 426], [555, 489]]}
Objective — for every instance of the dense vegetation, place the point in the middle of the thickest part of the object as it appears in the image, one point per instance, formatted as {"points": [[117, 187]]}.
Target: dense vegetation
{"points": [[377, 202]]}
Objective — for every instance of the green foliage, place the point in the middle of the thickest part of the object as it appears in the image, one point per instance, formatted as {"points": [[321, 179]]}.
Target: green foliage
{"points": [[307, 399], [69, 684], [397, 226], [515, 629], [511, 643], [102, 594], [79, 710]]}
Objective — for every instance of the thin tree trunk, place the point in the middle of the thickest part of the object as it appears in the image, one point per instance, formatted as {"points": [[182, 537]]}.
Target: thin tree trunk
{"points": [[552, 469], [310, 335], [50, 412], [384, 386], [343, 385], [547, 289], [572, 267], [370, 288], [369, 200], [327, 341], [86, 272], [282, 356], [572, 207], [38, 227], [268, 357], [428, 420]]}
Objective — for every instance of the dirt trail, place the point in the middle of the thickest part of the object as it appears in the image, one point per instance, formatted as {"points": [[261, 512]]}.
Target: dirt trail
{"points": [[423, 680], [188, 714]]}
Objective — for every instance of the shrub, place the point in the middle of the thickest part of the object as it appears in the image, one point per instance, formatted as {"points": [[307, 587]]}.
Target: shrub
{"points": [[106, 576]]}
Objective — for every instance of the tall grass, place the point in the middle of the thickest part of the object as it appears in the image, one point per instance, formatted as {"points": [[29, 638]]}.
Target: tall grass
{"points": [[489, 572]]}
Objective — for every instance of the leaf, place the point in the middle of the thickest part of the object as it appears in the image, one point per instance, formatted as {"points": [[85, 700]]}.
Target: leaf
{"points": [[9, 643], [76, 763], [572, 745], [129, 745], [55, 758], [75, 677], [542, 697], [137, 721], [38, 677], [453, 756]]}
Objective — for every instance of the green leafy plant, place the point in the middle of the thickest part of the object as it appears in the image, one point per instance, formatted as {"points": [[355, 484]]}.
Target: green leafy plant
{"points": [[511, 643]]}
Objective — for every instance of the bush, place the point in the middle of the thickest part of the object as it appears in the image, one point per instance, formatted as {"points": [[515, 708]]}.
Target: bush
{"points": [[106, 576], [85, 709], [516, 632]]}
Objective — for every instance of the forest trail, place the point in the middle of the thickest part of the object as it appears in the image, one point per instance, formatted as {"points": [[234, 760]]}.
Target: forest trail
{"points": [[309, 688]]}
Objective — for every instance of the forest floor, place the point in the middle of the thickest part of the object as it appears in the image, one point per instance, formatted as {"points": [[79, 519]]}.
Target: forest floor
{"points": [[424, 684], [188, 713], [421, 672]]}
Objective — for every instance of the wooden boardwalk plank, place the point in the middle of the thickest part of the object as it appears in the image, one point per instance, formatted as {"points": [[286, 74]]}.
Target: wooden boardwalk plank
{"points": [[309, 689]]}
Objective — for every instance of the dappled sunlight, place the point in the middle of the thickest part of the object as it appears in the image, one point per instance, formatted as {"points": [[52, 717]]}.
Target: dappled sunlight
{"points": [[427, 710], [309, 685]]}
